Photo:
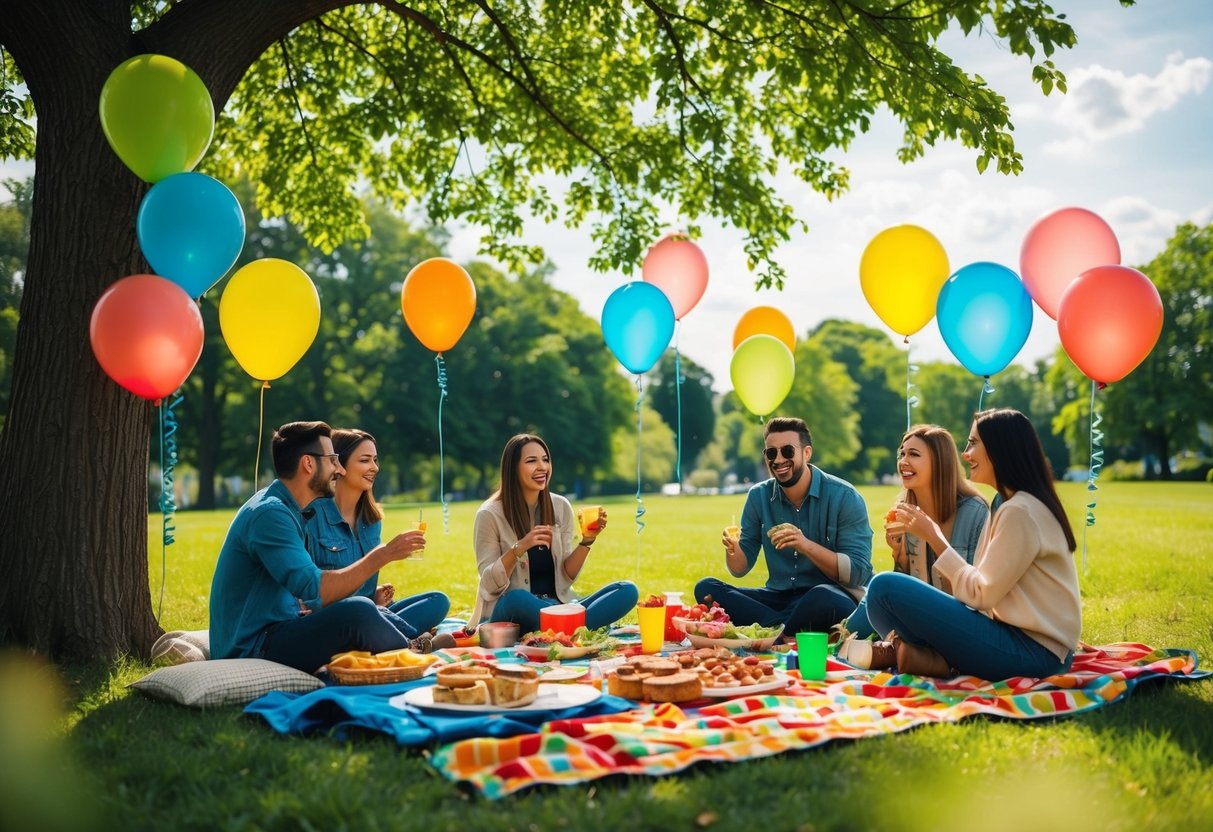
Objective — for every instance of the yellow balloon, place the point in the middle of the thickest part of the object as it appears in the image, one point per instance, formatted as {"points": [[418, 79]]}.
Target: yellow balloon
{"points": [[901, 272], [765, 320], [269, 315]]}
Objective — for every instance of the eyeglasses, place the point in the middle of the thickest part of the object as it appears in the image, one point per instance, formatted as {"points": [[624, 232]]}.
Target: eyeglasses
{"points": [[336, 458], [788, 452]]}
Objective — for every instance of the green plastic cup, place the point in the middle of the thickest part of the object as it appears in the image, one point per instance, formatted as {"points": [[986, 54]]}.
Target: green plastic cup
{"points": [[811, 655]]}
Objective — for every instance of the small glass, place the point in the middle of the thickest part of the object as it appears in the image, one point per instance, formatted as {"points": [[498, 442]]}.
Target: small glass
{"points": [[418, 526]]}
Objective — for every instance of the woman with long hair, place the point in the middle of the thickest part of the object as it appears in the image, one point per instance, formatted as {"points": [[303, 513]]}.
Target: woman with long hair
{"points": [[1016, 610], [931, 479], [525, 549], [346, 526]]}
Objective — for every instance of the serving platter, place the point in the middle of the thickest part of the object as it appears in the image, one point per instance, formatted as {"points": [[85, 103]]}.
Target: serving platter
{"points": [[552, 697], [779, 682]]}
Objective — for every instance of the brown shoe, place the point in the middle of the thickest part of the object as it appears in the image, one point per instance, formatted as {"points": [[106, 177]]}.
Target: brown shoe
{"points": [[921, 661], [867, 655]]}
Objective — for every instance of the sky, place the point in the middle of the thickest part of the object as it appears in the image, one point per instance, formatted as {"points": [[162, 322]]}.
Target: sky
{"points": [[1130, 141]]}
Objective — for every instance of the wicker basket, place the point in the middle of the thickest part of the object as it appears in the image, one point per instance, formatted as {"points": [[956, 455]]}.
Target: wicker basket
{"points": [[376, 675]]}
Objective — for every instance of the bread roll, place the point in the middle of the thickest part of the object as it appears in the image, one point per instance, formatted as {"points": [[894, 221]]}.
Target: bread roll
{"points": [[463, 675], [514, 685], [677, 687]]}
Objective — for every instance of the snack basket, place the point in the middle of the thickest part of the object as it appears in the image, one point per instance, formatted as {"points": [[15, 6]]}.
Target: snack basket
{"points": [[376, 675]]}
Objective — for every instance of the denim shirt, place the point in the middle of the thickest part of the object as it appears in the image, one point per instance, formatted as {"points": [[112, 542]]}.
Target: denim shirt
{"points": [[263, 567], [833, 515], [333, 545]]}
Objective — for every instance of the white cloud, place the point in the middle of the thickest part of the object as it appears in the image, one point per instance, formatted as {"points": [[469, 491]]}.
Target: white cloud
{"points": [[1104, 103]]}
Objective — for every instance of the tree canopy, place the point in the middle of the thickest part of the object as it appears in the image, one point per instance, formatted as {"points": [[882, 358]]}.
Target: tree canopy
{"points": [[623, 116]]}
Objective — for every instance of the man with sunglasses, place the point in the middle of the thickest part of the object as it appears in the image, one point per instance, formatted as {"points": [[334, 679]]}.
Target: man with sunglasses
{"points": [[264, 569], [813, 530]]}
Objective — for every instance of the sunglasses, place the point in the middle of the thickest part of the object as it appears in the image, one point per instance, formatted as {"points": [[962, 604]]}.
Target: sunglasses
{"points": [[788, 452]]}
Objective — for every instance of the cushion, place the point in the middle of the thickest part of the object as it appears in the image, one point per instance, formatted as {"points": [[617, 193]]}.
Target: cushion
{"points": [[181, 646], [224, 682]]}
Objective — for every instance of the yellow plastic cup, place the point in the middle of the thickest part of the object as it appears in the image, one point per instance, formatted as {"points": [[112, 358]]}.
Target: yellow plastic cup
{"points": [[587, 519], [811, 655], [652, 628], [418, 525], [732, 532]]}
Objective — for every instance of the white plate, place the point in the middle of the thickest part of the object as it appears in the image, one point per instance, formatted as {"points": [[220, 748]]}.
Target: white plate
{"points": [[704, 641], [562, 652], [557, 673], [780, 682], [551, 697]]}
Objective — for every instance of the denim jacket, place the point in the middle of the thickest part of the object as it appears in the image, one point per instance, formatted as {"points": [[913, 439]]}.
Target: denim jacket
{"points": [[333, 545]]}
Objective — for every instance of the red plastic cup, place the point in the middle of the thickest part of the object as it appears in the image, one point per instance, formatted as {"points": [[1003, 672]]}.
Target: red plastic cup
{"points": [[563, 618]]}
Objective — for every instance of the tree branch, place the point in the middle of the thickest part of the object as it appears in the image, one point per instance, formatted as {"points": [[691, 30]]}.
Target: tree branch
{"points": [[290, 76]]}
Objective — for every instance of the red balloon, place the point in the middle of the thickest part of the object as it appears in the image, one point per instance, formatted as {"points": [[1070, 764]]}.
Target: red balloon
{"points": [[1059, 247], [1109, 320], [677, 267], [147, 334]]}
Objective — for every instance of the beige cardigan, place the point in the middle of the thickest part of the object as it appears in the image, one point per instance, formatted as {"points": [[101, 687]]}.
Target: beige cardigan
{"points": [[493, 536], [1023, 574]]}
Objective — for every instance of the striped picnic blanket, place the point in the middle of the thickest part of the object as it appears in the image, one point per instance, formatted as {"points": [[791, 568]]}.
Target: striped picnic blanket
{"points": [[851, 704]]}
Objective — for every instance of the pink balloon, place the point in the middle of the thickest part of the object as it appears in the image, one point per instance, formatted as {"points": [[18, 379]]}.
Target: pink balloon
{"points": [[1109, 319], [677, 267], [147, 334], [1059, 247]]}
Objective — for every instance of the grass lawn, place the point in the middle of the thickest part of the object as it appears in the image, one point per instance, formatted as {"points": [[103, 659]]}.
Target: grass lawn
{"points": [[137, 763]]}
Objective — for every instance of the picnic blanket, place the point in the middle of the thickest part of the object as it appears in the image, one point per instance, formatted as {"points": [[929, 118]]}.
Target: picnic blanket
{"points": [[500, 754], [663, 739]]}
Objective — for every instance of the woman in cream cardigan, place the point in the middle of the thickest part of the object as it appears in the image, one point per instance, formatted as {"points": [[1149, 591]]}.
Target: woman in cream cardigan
{"points": [[525, 549], [1016, 610]]}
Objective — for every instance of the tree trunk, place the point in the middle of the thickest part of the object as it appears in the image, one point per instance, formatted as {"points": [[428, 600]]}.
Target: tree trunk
{"points": [[1164, 457], [73, 498], [74, 452]]}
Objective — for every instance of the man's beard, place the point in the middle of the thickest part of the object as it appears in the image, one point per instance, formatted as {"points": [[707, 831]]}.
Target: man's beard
{"points": [[797, 473], [320, 484]]}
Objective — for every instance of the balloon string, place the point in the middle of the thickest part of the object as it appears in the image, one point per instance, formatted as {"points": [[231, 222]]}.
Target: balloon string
{"points": [[639, 500], [911, 399], [168, 502], [446, 509], [260, 433], [986, 389], [678, 398], [1096, 464]]}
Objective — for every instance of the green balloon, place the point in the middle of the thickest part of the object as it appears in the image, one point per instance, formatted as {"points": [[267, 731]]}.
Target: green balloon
{"points": [[762, 371], [157, 115]]}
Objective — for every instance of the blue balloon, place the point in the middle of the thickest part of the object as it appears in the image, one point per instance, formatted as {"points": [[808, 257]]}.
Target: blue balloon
{"points": [[984, 313], [191, 230], [637, 323]]}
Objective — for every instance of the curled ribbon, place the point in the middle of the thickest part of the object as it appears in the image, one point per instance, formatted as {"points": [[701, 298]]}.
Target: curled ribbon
{"points": [[168, 502], [446, 509]]}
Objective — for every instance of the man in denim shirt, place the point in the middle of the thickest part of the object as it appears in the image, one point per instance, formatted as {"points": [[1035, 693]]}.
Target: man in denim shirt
{"points": [[264, 569], [813, 529]]}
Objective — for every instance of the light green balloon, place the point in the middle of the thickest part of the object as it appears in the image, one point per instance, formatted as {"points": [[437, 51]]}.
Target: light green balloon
{"points": [[157, 115], [762, 371]]}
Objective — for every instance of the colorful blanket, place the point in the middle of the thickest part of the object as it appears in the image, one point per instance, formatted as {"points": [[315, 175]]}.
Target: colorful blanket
{"points": [[663, 739]]}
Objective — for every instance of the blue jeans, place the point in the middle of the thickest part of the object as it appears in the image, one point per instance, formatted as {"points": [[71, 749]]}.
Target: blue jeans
{"points": [[858, 623], [972, 643], [418, 613], [602, 608], [309, 641], [813, 609]]}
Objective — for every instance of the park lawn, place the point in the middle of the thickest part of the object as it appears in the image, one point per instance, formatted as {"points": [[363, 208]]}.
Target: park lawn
{"points": [[1147, 761]]}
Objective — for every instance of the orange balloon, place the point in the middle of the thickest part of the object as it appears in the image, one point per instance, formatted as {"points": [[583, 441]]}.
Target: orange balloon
{"points": [[147, 334], [1109, 319], [765, 320], [438, 299]]}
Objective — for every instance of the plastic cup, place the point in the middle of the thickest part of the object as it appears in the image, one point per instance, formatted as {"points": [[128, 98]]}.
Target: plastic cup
{"points": [[811, 655], [652, 628], [732, 532], [587, 519], [673, 609], [563, 618]]}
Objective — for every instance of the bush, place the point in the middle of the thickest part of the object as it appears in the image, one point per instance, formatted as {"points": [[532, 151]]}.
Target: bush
{"points": [[1123, 470], [1192, 469]]}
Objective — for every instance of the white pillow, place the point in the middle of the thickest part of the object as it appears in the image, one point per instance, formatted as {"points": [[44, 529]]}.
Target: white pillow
{"points": [[224, 682], [181, 646]]}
